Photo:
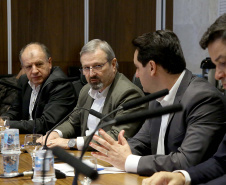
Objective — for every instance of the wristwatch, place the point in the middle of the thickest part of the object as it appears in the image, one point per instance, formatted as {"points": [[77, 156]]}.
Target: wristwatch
{"points": [[71, 143]]}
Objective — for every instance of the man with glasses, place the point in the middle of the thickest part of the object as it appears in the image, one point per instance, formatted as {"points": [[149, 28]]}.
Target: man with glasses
{"points": [[106, 90], [172, 141]]}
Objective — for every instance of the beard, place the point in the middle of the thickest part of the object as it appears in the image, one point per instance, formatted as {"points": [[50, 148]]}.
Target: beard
{"points": [[96, 85]]}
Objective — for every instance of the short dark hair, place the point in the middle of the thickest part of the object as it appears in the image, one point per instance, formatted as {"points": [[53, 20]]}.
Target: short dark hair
{"points": [[42, 46], [215, 31], [163, 47]]}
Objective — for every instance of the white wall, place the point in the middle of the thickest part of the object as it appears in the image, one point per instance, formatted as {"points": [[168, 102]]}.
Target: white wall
{"points": [[190, 20]]}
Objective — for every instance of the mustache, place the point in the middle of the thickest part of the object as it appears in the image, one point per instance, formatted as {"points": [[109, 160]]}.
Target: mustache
{"points": [[94, 78]]}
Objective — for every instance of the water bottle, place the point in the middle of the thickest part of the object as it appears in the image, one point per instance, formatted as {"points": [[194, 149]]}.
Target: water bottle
{"points": [[44, 157]]}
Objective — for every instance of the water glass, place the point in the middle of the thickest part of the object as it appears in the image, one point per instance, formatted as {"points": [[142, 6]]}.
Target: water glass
{"points": [[10, 163], [32, 145], [10, 141], [91, 162]]}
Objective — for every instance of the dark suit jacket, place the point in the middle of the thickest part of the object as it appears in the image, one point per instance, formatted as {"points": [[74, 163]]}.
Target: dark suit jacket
{"points": [[212, 170], [192, 135], [56, 100], [121, 91]]}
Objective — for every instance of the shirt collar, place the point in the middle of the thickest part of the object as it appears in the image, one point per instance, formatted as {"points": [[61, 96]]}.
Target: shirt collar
{"points": [[33, 86], [95, 94], [169, 98]]}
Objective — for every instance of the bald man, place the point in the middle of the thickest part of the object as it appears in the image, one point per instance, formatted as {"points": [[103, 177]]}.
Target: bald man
{"points": [[44, 99]]}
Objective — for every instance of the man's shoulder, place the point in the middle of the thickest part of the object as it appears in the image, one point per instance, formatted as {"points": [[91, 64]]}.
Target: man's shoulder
{"points": [[200, 91], [122, 84], [201, 85], [57, 72]]}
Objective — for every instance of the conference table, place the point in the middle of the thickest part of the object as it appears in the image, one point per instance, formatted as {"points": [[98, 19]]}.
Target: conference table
{"points": [[104, 179]]}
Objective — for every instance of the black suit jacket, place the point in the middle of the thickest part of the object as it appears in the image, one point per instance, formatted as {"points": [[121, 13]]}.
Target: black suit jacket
{"points": [[192, 135], [213, 170], [55, 100]]}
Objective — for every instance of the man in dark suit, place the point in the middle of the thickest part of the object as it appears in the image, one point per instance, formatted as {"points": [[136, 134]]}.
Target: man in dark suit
{"points": [[173, 141], [44, 100], [107, 89], [212, 171]]}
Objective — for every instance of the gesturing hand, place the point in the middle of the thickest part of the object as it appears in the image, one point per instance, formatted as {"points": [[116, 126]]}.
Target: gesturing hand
{"points": [[111, 151]]}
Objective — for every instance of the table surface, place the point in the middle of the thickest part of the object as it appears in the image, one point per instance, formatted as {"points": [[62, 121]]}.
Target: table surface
{"points": [[104, 179]]}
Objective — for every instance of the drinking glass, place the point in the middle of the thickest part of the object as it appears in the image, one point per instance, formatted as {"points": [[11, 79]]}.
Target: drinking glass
{"points": [[2, 128], [91, 162], [31, 145], [5, 119]]}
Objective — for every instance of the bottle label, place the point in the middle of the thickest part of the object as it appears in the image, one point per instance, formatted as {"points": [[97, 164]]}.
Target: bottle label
{"points": [[39, 164]]}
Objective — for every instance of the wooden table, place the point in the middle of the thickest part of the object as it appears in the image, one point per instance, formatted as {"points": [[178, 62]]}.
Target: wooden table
{"points": [[104, 179]]}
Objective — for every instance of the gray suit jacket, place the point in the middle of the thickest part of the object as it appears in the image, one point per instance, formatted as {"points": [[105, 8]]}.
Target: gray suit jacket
{"points": [[192, 135], [121, 91]]}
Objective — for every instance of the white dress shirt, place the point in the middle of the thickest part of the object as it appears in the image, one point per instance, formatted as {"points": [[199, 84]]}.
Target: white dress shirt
{"points": [[34, 94], [92, 121], [132, 161], [186, 175]]}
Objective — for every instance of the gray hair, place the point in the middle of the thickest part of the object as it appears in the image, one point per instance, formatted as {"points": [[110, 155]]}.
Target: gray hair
{"points": [[42, 46], [95, 44]]}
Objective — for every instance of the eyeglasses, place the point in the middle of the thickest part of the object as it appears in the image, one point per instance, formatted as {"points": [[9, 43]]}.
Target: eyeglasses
{"points": [[95, 68]]}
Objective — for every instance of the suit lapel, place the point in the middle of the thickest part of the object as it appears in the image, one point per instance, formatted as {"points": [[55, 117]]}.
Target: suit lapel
{"points": [[180, 92], [26, 104], [88, 105], [155, 127], [108, 101]]}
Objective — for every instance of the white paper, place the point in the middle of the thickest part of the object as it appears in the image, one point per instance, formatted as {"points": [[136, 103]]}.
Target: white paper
{"points": [[69, 171]]}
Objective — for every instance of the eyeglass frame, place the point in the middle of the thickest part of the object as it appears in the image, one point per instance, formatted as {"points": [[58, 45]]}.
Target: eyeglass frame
{"points": [[94, 68]]}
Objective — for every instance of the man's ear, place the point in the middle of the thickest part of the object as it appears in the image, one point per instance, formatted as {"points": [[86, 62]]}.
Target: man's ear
{"points": [[50, 62], [114, 63], [153, 67]]}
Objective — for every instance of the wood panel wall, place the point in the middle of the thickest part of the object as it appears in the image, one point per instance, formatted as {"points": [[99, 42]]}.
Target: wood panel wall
{"points": [[169, 14], [56, 23], [3, 37], [118, 22], [59, 24]]}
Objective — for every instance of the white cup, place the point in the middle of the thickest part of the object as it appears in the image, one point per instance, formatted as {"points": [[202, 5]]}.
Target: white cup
{"points": [[11, 141], [10, 163]]}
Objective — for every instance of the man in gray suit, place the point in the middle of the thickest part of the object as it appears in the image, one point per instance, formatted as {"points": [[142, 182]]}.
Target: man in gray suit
{"points": [[172, 141], [212, 171], [106, 90]]}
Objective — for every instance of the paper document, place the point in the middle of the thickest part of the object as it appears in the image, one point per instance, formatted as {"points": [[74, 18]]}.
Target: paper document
{"points": [[69, 171]]}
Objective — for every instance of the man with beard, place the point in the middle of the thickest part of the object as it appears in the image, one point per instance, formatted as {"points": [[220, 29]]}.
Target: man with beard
{"points": [[172, 141], [106, 90]]}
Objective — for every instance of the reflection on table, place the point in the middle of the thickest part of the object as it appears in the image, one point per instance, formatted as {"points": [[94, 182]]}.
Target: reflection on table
{"points": [[105, 179]]}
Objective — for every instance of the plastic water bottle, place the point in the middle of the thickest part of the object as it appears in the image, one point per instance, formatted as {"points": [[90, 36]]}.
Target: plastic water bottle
{"points": [[44, 157]]}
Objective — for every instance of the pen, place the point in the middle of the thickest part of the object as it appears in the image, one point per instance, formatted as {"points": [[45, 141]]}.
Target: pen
{"points": [[99, 169]]}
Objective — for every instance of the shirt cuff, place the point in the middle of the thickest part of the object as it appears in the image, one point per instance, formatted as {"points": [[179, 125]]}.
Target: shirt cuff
{"points": [[186, 175], [59, 132], [131, 163], [80, 143]]}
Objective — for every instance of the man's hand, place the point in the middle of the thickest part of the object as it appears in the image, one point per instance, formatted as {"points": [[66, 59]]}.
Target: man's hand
{"points": [[111, 151], [1, 122], [165, 178], [61, 142], [53, 135]]}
